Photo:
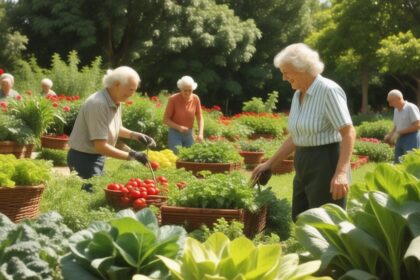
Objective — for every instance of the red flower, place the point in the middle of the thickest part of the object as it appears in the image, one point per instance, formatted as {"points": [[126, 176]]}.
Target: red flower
{"points": [[216, 107], [18, 97], [154, 98], [129, 102], [29, 92], [69, 98], [3, 104], [158, 105], [65, 108], [76, 97], [55, 104], [1, 71]]}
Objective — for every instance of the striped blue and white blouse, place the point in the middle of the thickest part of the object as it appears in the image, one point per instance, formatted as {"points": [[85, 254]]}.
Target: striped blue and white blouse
{"points": [[322, 114]]}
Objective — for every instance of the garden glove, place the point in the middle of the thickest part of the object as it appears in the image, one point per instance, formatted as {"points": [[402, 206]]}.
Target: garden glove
{"points": [[143, 138], [139, 156], [264, 177]]}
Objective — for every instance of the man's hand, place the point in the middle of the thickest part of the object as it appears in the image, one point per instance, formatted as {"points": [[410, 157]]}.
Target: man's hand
{"points": [[339, 186], [139, 156], [394, 137], [143, 138]]}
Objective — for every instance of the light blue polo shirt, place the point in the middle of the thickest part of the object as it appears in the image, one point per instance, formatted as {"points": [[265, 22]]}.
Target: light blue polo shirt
{"points": [[99, 118], [321, 115]]}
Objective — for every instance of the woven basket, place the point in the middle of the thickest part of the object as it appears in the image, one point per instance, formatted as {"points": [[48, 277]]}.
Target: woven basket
{"points": [[50, 142], [20, 202], [193, 218], [20, 151], [114, 199], [196, 167]]}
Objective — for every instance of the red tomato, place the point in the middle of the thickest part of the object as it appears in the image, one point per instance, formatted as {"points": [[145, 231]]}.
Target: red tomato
{"points": [[144, 194], [139, 203], [138, 180], [124, 190], [164, 184], [157, 191], [130, 185], [135, 194], [151, 191], [162, 179], [133, 182], [143, 189], [113, 187], [155, 165], [151, 185], [125, 200], [149, 181]]}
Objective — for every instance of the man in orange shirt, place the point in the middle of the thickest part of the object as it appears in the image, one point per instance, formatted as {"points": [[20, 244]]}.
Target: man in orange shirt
{"points": [[179, 115]]}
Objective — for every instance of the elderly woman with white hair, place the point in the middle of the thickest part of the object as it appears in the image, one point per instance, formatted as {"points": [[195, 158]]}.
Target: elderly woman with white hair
{"points": [[98, 126], [46, 85], [405, 133], [179, 115], [321, 132], [6, 82]]}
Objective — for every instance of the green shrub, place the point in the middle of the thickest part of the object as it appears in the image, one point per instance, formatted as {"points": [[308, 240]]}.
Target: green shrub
{"points": [[376, 151], [377, 129], [371, 117], [212, 126], [58, 157], [257, 105], [211, 152], [263, 123], [252, 146], [235, 131], [12, 129]]}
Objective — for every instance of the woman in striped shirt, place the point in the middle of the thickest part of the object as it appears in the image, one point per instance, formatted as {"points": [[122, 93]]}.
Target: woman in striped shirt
{"points": [[321, 132]]}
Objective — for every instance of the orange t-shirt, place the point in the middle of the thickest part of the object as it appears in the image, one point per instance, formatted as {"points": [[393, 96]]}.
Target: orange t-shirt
{"points": [[182, 112]]}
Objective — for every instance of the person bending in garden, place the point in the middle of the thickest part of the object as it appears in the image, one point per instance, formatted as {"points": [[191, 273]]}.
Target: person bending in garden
{"points": [[98, 125], [321, 132], [405, 134], [46, 85], [6, 82], [179, 115]]}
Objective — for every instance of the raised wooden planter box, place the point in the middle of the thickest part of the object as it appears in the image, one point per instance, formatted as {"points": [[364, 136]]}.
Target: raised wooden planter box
{"points": [[194, 218], [196, 167], [51, 142], [20, 202], [20, 151]]}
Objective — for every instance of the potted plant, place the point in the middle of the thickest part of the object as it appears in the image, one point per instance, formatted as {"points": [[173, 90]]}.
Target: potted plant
{"points": [[213, 156], [252, 152], [15, 137], [218, 195], [21, 186]]}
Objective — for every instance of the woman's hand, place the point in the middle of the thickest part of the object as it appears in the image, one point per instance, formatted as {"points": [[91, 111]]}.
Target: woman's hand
{"points": [[183, 129], [259, 169], [200, 137], [339, 186]]}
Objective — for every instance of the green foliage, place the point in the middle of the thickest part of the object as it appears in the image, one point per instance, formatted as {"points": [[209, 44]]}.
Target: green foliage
{"points": [[23, 172], [238, 259], [12, 129], [126, 245], [58, 157], [252, 146], [32, 249], [376, 151], [256, 105], [377, 129], [264, 123], [232, 230], [375, 239], [359, 118], [212, 126], [234, 130], [207, 151], [35, 112], [146, 116], [70, 80], [218, 191]]}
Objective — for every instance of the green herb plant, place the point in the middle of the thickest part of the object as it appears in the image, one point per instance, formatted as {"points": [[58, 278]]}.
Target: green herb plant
{"points": [[210, 152], [375, 151]]}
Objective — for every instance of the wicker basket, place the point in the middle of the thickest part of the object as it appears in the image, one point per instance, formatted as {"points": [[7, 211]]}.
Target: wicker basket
{"points": [[193, 218], [20, 202], [51, 142], [196, 167], [20, 151], [114, 199]]}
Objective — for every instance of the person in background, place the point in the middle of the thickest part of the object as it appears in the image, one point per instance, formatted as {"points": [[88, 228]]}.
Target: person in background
{"points": [[6, 82], [98, 126], [179, 115], [321, 132], [46, 85], [405, 133]]}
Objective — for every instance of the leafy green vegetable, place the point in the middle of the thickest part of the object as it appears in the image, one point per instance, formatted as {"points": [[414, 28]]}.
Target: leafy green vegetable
{"points": [[127, 245], [211, 152]]}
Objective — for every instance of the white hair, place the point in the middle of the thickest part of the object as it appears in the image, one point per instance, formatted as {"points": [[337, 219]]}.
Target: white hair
{"points": [[395, 93], [7, 76], [120, 74], [47, 82], [301, 57], [186, 81]]}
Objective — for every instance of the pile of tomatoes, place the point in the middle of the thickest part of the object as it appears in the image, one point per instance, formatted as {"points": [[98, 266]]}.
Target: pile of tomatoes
{"points": [[136, 191]]}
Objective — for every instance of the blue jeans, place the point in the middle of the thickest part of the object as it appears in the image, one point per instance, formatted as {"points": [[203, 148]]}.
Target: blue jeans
{"points": [[176, 138], [406, 143]]}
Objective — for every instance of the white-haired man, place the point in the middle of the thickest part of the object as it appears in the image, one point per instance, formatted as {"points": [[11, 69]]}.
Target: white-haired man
{"points": [[405, 134], [6, 82], [98, 126]]}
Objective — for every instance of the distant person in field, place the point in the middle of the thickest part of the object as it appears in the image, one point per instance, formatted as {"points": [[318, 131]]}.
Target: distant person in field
{"points": [[98, 126], [6, 82], [180, 112], [405, 134], [321, 132], [46, 85]]}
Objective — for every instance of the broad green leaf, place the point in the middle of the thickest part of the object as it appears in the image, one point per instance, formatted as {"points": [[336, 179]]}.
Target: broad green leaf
{"points": [[412, 259], [198, 250], [126, 224], [305, 270], [240, 249], [173, 266], [102, 265], [227, 268], [414, 223], [73, 271], [169, 233], [268, 262], [207, 267], [80, 236], [100, 246], [334, 257], [141, 277], [148, 218], [289, 264], [128, 246], [79, 251], [311, 238], [118, 273], [357, 274], [216, 245], [213, 277], [189, 268]]}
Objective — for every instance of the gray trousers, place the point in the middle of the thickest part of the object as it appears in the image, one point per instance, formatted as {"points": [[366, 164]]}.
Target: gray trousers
{"points": [[315, 167]]}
